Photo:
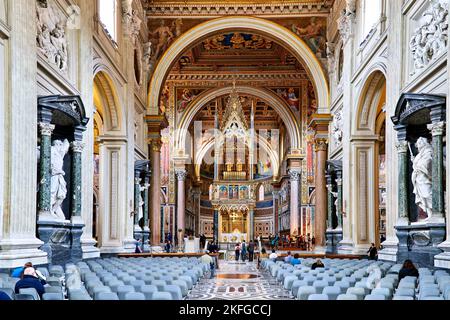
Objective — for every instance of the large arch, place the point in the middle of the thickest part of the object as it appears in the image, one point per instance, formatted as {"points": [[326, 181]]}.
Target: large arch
{"points": [[112, 180], [365, 158], [265, 27], [106, 98], [274, 101], [274, 157]]}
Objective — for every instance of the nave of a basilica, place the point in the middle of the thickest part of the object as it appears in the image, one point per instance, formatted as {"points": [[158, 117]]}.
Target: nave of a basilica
{"points": [[136, 123]]}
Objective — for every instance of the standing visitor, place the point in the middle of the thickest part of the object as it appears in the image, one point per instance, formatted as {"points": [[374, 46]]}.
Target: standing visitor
{"points": [[251, 250], [243, 251], [237, 251], [372, 252]]}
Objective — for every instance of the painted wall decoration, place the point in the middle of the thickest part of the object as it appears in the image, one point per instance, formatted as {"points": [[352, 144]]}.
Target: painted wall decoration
{"points": [[186, 96], [236, 41], [292, 97], [264, 168], [313, 32], [223, 192], [243, 192], [165, 157]]}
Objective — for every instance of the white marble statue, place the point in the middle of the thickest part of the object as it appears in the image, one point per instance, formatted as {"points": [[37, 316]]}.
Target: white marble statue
{"points": [[58, 184], [421, 176], [141, 202], [58, 39]]}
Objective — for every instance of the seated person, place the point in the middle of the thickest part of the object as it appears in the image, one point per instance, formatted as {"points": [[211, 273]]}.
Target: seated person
{"points": [[288, 258], [4, 296], [296, 259], [30, 280], [207, 259], [18, 272], [273, 256], [408, 270], [317, 264]]}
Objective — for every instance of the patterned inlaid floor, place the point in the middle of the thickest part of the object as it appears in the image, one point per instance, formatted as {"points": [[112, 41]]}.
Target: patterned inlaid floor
{"points": [[239, 281]]}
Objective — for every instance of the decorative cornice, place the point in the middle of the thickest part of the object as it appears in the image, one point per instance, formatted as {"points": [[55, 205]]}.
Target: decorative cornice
{"points": [[212, 9], [241, 77]]}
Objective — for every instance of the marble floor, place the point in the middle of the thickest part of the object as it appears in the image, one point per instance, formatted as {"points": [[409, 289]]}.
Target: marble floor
{"points": [[237, 280]]}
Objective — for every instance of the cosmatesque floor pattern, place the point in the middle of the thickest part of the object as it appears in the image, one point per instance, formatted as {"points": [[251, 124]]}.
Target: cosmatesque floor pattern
{"points": [[239, 281]]}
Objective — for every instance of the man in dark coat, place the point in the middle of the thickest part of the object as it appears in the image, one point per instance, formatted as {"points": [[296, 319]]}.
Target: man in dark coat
{"points": [[251, 250]]}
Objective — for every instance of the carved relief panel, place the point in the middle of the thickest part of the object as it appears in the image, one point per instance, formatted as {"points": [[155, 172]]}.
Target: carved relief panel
{"points": [[426, 35], [51, 38]]}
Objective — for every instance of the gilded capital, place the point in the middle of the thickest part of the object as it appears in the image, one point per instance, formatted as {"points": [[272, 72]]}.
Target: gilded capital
{"points": [[321, 144], [155, 144]]}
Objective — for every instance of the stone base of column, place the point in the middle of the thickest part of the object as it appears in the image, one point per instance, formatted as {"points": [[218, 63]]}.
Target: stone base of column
{"points": [[389, 251], [129, 245], [442, 260], [90, 251], [107, 250], [143, 234], [345, 246], [62, 241], [320, 249], [333, 237], [16, 252], [420, 243]]}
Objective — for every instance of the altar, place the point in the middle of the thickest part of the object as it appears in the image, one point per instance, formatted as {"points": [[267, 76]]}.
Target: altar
{"points": [[233, 237], [192, 246]]}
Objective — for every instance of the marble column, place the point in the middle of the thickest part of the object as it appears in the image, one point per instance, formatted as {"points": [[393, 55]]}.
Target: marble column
{"points": [[216, 225], [251, 218], [181, 202], [294, 175], [137, 192], [18, 242], [156, 191], [330, 204], [403, 194], [321, 191], [339, 207], [45, 175], [77, 149], [437, 131], [146, 204], [275, 195]]}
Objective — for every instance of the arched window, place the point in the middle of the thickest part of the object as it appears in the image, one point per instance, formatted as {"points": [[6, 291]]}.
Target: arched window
{"points": [[261, 193], [108, 17], [371, 15]]}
